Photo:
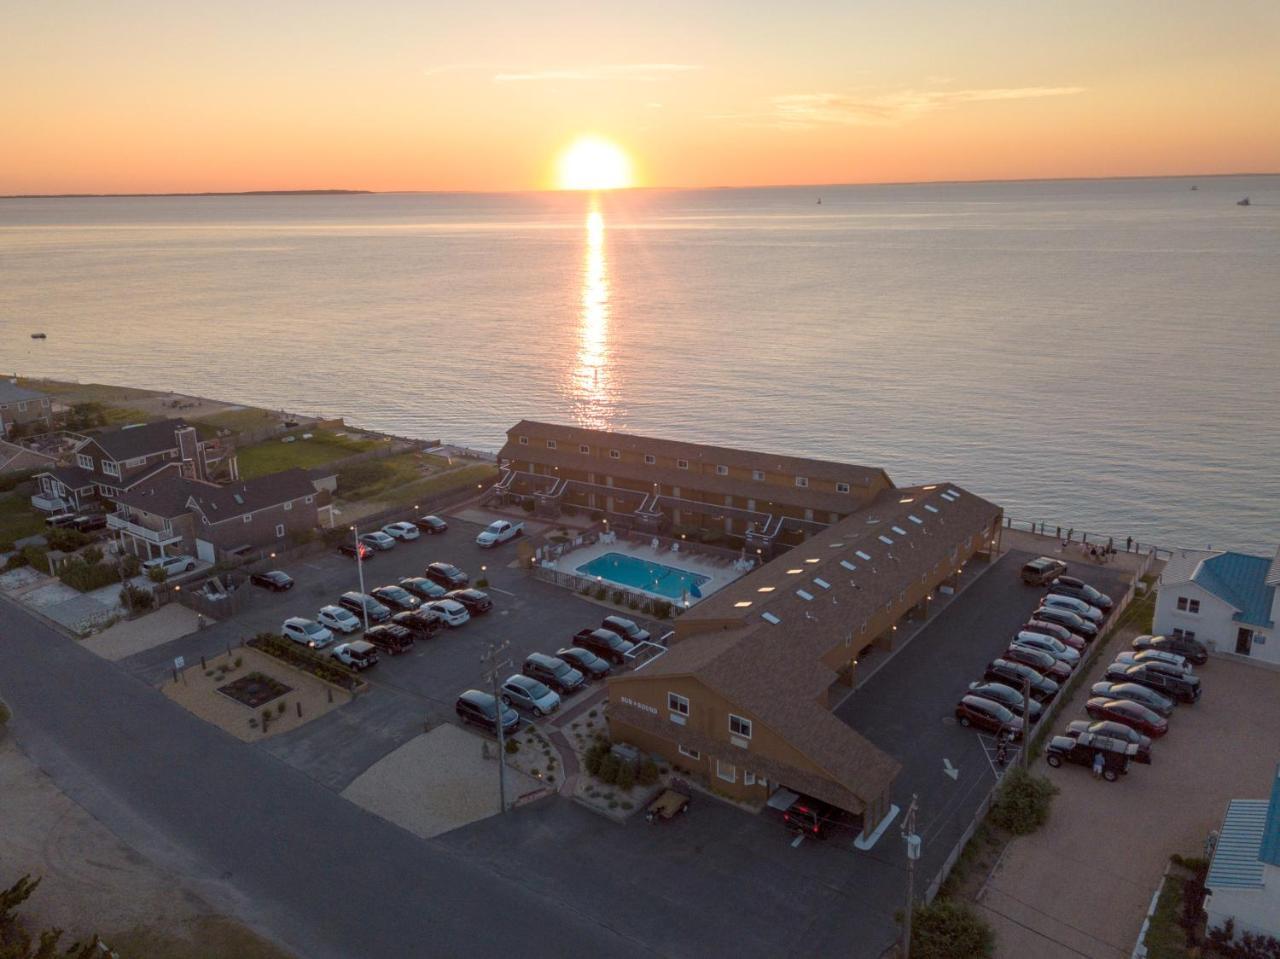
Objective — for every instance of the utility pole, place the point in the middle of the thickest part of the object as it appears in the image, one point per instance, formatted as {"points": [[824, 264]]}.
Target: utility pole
{"points": [[494, 663], [364, 603], [913, 853]]}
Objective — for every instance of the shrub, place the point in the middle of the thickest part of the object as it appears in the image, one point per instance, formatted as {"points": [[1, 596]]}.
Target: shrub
{"points": [[80, 575], [661, 609], [647, 774], [482, 583], [1022, 805], [526, 505], [600, 592], [64, 539], [609, 767], [626, 776], [634, 603], [7, 546], [130, 565], [512, 746], [135, 599], [157, 574], [618, 596], [946, 929], [92, 555]]}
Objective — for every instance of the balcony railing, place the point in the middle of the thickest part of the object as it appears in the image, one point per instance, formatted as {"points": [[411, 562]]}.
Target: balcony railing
{"points": [[161, 537], [49, 504]]}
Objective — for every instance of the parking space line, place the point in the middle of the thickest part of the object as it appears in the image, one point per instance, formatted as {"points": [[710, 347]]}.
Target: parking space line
{"points": [[499, 589]]}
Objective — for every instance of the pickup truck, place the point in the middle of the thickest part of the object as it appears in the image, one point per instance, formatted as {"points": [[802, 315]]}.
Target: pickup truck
{"points": [[498, 532]]}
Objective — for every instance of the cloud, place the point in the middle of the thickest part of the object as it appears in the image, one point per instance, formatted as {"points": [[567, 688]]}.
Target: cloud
{"points": [[883, 109], [636, 71]]}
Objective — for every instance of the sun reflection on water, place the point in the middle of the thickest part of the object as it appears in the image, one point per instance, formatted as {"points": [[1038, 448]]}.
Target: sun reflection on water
{"points": [[591, 395]]}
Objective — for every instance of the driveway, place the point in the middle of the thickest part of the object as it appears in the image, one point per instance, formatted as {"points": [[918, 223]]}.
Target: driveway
{"points": [[1081, 885]]}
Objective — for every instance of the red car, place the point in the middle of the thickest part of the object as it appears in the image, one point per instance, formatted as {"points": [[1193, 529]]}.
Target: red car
{"points": [[989, 715], [1131, 714], [1042, 663], [1060, 633]]}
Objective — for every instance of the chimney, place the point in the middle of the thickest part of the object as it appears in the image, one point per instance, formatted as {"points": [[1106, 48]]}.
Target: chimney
{"points": [[193, 466]]}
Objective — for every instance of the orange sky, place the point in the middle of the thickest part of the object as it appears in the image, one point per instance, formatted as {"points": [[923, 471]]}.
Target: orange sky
{"points": [[150, 97]]}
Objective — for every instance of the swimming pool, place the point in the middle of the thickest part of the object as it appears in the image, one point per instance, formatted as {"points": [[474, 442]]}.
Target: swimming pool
{"points": [[641, 574]]}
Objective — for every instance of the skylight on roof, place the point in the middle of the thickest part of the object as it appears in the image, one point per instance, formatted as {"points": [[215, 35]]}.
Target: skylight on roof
{"points": [[886, 540], [835, 545], [949, 499], [953, 492], [916, 519], [848, 565], [743, 604], [821, 582], [766, 589], [929, 487], [907, 499], [812, 559], [930, 507], [899, 530], [796, 569], [861, 555], [770, 618], [804, 594]]}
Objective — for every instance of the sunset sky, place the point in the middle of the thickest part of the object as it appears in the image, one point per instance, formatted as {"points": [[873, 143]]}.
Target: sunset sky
{"points": [[134, 96]]}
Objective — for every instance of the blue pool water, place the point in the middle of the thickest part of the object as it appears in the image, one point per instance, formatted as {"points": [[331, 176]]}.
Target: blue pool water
{"points": [[641, 574]]}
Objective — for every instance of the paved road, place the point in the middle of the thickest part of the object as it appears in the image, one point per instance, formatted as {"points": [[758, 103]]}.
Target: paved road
{"points": [[262, 839], [907, 709]]}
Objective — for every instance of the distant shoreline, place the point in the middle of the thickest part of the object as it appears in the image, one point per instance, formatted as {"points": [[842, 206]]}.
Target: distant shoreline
{"points": [[637, 189], [105, 196]]}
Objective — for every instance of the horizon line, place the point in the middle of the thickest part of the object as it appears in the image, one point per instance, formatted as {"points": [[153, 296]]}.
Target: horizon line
{"points": [[346, 191]]}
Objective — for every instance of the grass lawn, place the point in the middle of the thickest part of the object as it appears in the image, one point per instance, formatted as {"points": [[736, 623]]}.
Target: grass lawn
{"points": [[18, 519], [238, 421], [443, 483], [370, 479], [1165, 938], [86, 392], [272, 456], [212, 937], [124, 415]]}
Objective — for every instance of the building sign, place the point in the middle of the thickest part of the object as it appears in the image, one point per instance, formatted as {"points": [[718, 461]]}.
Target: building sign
{"points": [[647, 708]]}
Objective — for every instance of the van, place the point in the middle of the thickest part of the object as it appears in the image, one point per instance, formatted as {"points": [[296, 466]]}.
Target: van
{"points": [[1042, 570]]}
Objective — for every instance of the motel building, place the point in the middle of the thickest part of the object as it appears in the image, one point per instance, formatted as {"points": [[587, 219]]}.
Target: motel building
{"points": [[742, 697]]}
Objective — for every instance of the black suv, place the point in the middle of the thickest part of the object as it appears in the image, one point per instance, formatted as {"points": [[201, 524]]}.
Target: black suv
{"points": [[359, 603], [447, 575], [556, 673], [423, 588], [393, 638], [1194, 651], [431, 524], [1042, 570], [1008, 697], [477, 601], [1083, 749], [422, 623]]}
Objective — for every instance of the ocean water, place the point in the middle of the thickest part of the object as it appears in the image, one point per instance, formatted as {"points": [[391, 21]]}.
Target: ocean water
{"points": [[1099, 354]]}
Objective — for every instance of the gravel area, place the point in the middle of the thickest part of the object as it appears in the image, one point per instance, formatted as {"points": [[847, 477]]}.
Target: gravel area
{"points": [[436, 782], [133, 636]]}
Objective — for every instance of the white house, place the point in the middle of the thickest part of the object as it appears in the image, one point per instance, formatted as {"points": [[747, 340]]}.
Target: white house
{"points": [[1244, 875], [1229, 601]]}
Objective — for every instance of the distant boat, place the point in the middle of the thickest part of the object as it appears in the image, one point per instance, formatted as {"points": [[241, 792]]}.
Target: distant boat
{"points": [[1244, 202], [39, 336], [819, 201], [1194, 187]]}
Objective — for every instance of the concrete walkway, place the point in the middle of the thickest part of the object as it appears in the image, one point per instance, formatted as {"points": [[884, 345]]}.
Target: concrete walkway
{"points": [[146, 632]]}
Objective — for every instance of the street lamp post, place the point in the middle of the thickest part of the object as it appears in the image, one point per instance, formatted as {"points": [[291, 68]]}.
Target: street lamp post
{"points": [[364, 602]]}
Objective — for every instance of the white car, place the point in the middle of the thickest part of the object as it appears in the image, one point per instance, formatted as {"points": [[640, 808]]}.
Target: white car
{"points": [[307, 632], [339, 620], [401, 531], [1077, 606], [378, 540], [170, 564], [357, 655], [499, 531], [450, 610]]}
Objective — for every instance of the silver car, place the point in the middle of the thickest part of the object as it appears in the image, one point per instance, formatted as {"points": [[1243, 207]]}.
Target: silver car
{"points": [[1047, 644], [307, 632], [529, 694], [1077, 606]]}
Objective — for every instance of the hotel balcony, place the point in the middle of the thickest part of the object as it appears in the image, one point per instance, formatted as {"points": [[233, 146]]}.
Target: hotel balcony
{"points": [[158, 537]]}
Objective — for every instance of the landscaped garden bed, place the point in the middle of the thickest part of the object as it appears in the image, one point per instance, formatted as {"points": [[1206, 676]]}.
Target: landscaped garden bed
{"points": [[317, 664], [531, 753], [254, 689]]}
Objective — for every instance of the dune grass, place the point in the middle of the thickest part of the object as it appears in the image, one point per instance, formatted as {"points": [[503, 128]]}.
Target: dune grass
{"points": [[18, 519], [274, 455], [244, 420]]}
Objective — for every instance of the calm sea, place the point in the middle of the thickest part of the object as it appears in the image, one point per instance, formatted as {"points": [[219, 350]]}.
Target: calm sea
{"points": [[1104, 354]]}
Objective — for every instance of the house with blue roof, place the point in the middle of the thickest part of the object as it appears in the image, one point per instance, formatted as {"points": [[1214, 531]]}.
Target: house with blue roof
{"points": [[1229, 601], [1243, 883]]}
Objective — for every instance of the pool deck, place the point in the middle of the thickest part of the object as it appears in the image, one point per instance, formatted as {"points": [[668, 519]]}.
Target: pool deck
{"points": [[719, 573]]}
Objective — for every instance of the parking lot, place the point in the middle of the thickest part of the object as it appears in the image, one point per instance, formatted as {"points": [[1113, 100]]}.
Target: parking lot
{"points": [[1080, 886], [408, 690]]}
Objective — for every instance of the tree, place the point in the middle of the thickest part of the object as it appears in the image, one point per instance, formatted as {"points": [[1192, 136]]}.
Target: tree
{"points": [[15, 941]]}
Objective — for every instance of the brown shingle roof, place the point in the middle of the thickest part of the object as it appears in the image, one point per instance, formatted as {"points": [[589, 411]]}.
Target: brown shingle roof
{"points": [[694, 452], [169, 494], [774, 670], [131, 442]]}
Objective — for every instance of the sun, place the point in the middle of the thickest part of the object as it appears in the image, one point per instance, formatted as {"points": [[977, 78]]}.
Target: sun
{"points": [[593, 163]]}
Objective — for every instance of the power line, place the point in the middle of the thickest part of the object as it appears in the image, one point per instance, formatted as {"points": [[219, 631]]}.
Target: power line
{"points": [[1062, 922], [1046, 936]]}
